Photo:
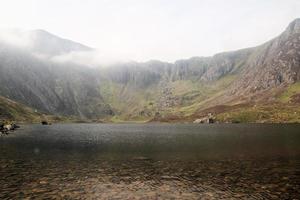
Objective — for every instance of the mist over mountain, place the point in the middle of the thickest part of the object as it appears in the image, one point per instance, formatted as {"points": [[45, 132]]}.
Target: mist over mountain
{"points": [[41, 42], [46, 43], [47, 86], [158, 90]]}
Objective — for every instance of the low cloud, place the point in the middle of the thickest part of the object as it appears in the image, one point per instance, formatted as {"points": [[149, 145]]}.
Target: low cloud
{"points": [[15, 37], [87, 58], [90, 58]]}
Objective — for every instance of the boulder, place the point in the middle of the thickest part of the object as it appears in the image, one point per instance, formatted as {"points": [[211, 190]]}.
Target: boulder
{"points": [[208, 120], [8, 127], [197, 121], [201, 120]]}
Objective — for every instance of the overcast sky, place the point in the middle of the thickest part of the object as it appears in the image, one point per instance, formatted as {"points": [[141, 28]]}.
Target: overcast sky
{"points": [[155, 29]]}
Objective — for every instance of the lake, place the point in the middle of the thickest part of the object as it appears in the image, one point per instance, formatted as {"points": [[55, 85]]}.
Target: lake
{"points": [[151, 161]]}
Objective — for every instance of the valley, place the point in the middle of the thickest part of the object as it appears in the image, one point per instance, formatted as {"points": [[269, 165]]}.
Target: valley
{"points": [[258, 84]]}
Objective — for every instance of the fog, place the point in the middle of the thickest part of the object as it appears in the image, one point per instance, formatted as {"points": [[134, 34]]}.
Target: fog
{"points": [[89, 59], [166, 30], [26, 41], [15, 37]]}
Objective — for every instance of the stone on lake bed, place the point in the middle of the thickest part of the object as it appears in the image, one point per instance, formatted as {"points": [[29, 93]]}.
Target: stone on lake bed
{"points": [[141, 158]]}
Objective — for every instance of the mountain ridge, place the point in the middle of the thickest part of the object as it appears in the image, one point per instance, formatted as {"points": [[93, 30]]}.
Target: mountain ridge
{"points": [[185, 89], [52, 45]]}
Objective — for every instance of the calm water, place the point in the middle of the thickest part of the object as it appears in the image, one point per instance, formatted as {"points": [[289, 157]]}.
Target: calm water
{"points": [[151, 161]]}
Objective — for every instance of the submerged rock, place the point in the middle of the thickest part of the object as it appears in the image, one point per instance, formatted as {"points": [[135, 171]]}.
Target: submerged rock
{"points": [[15, 126]]}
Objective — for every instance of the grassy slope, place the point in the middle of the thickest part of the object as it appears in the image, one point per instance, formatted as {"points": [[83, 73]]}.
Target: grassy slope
{"points": [[283, 109], [292, 90], [206, 93], [11, 110], [128, 102], [270, 113]]}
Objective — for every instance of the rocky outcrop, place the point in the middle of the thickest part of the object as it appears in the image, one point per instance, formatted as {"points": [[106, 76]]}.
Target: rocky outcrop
{"points": [[272, 64], [166, 97]]}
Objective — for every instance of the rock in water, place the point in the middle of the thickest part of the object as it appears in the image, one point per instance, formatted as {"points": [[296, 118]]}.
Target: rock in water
{"points": [[7, 127], [45, 123]]}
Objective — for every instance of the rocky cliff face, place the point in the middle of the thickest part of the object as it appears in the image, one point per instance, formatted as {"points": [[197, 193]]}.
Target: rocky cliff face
{"points": [[272, 64], [135, 74]]}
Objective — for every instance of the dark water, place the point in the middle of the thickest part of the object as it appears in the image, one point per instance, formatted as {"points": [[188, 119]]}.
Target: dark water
{"points": [[151, 161]]}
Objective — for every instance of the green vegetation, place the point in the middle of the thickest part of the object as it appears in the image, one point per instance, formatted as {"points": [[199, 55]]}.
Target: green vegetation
{"points": [[202, 94], [285, 110], [274, 113], [289, 92], [13, 111], [10, 110], [138, 105], [128, 101]]}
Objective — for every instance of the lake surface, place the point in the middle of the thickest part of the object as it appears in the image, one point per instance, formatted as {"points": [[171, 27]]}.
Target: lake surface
{"points": [[151, 161]]}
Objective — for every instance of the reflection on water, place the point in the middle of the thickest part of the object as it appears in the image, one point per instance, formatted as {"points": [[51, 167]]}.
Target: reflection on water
{"points": [[152, 161]]}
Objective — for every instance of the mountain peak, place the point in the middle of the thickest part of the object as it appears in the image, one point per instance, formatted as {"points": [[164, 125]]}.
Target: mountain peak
{"points": [[40, 31], [47, 43]]}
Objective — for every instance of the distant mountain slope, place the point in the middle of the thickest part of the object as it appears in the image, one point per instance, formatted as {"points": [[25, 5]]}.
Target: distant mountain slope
{"points": [[255, 75], [267, 70], [272, 64], [43, 42], [50, 87], [225, 83], [10, 110]]}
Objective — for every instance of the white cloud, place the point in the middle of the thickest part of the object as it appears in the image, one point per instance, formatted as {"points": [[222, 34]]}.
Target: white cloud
{"points": [[15, 37], [88, 58], [157, 29]]}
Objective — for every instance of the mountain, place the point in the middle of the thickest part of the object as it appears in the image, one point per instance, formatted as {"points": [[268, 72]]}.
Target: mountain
{"points": [[272, 64], [254, 84], [250, 81], [45, 43], [41, 42], [63, 89], [10, 110]]}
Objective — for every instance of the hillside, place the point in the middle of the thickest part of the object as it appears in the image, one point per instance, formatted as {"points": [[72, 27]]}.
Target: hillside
{"points": [[237, 80], [10, 110], [54, 88], [43, 42], [258, 84]]}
